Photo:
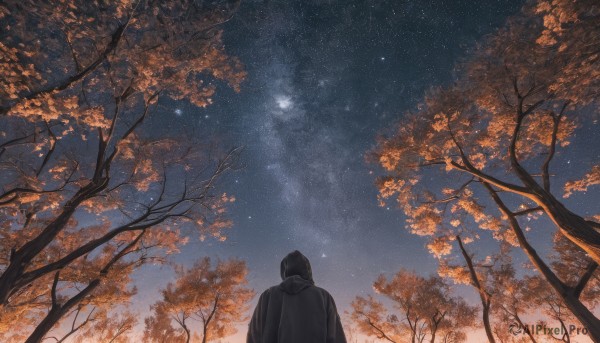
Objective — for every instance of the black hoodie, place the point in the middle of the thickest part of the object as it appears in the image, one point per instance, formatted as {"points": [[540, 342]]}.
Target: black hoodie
{"points": [[295, 311]]}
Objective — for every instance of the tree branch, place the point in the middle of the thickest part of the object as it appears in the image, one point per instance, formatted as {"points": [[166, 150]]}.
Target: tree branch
{"points": [[382, 334], [529, 250], [483, 295], [587, 275], [74, 328], [110, 47], [546, 166], [53, 290], [509, 187], [527, 211]]}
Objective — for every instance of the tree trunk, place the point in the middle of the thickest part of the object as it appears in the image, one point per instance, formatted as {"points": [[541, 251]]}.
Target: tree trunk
{"points": [[20, 260], [413, 330], [585, 316], [573, 226], [567, 294], [57, 311], [483, 295], [527, 331], [24, 255], [187, 333], [486, 322]]}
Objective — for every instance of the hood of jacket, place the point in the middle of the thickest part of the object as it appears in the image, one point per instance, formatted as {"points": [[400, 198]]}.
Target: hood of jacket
{"points": [[296, 273]]}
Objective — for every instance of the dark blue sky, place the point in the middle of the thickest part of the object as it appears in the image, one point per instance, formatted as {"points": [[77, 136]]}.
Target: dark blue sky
{"points": [[324, 77]]}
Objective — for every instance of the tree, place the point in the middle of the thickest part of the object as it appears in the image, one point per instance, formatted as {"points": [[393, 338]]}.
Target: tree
{"points": [[112, 329], [539, 294], [91, 293], [508, 113], [511, 304], [89, 184], [427, 310], [103, 327], [482, 281], [568, 261], [506, 300], [214, 297]]}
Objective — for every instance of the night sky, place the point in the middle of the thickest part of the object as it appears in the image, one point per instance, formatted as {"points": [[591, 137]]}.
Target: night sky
{"points": [[324, 77]]}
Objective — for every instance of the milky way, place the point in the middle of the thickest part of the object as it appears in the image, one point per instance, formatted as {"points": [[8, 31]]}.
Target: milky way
{"points": [[324, 77]]}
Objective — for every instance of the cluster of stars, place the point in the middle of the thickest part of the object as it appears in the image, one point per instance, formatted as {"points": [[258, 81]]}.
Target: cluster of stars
{"points": [[284, 102], [179, 112]]}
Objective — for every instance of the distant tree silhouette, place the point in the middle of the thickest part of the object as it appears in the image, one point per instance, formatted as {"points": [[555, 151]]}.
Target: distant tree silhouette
{"points": [[203, 301], [427, 310], [90, 188], [490, 138]]}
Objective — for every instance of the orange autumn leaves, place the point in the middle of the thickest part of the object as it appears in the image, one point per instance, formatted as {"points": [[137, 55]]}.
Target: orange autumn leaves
{"points": [[423, 307], [204, 302], [143, 48], [477, 164], [473, 122], [590, 179], [89, 191]]}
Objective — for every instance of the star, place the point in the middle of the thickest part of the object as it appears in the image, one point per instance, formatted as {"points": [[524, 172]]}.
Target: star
{"points": [[178, 112], [284, 101]]}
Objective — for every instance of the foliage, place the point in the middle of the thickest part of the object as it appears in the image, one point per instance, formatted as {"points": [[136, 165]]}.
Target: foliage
{"points": [[216, 298], [89, 191], [507, 112], [491, 138], [426, 310]]}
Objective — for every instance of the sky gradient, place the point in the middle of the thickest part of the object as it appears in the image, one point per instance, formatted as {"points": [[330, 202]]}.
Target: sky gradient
{"points": [[324, 77]]}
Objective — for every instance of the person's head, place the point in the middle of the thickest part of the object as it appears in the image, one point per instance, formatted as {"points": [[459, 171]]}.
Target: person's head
{"points": [[296, 264]]}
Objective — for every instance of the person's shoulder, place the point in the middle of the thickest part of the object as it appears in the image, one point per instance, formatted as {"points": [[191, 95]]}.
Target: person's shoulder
{"points": [[322, 291], [273, 289], [270, 290]]}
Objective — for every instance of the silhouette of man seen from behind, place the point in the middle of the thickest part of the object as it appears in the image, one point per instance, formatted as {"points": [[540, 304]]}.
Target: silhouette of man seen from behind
{"points": [[295, 311]]}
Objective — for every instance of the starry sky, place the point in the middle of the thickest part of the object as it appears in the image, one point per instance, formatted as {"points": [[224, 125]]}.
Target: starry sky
{"points": [[324, 77]]}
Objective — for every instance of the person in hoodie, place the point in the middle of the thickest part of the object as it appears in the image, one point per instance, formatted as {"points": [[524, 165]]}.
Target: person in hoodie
{"points": [[295, 311]]}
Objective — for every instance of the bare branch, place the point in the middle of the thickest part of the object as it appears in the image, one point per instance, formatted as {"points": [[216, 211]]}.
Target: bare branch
{"points": [[527, 211], [587, 275], [53, 290], [546, 166]]}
